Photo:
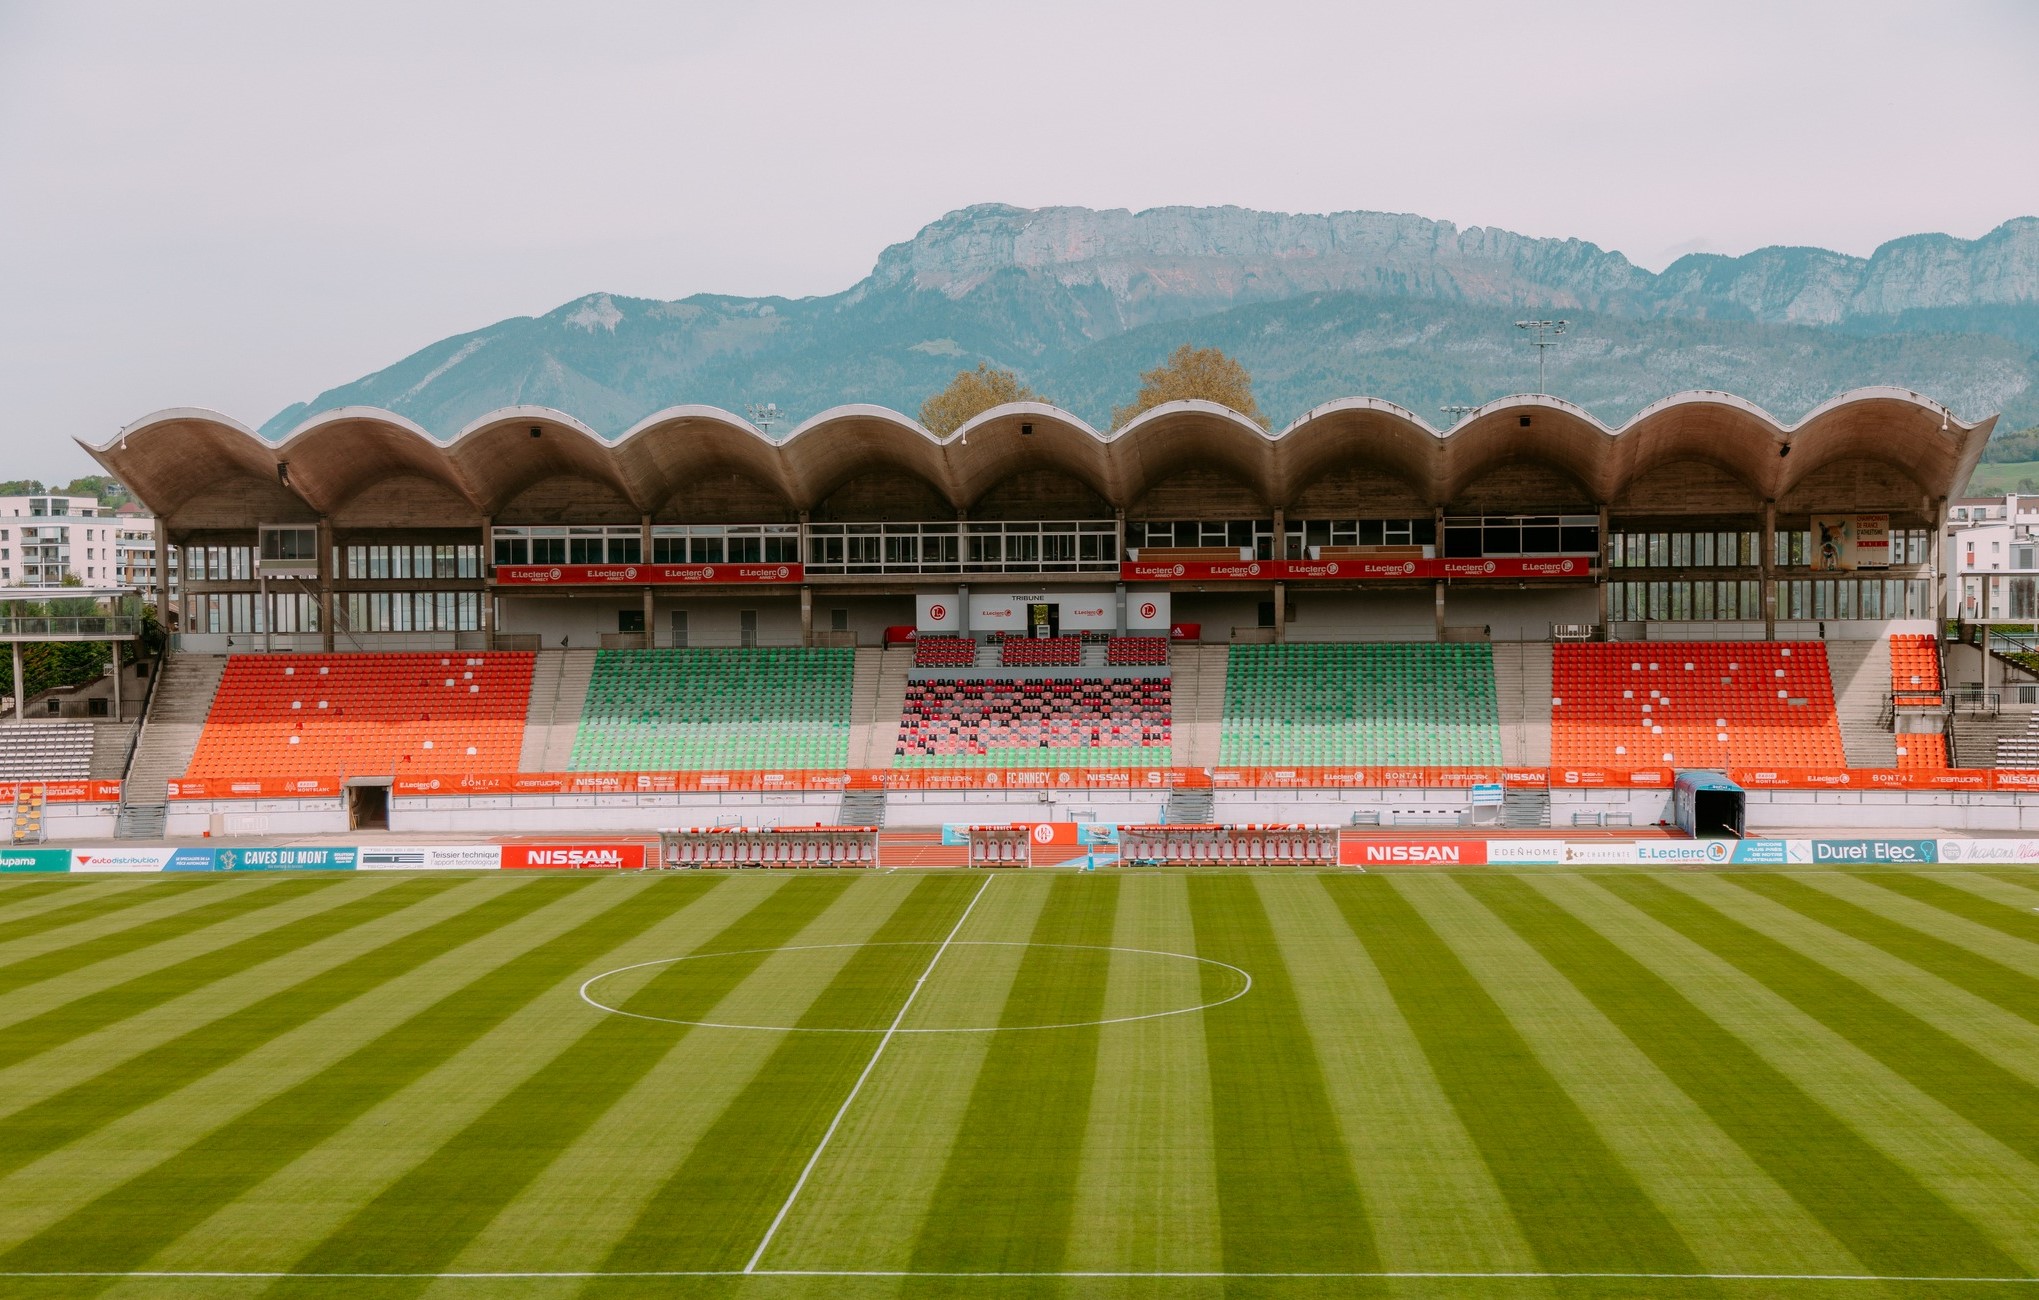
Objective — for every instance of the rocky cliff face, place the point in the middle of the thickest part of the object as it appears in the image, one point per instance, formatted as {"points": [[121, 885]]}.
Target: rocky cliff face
{"points": [[1079, 301]]}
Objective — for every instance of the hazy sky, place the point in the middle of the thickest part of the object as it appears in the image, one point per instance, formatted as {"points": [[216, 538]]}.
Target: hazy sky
{"points": [[238, 205]]}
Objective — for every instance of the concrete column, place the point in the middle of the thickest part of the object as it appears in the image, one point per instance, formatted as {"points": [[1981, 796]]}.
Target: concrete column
{"points": [[326, 576], [115, 647], [1769, 553], [1437, 588], [1281, 524], [163, 575], [488, 582], [1437, 531], [650, 620], [20, 687], [1600, 580], [806, 614], [1936, 542], [1281, 612]]}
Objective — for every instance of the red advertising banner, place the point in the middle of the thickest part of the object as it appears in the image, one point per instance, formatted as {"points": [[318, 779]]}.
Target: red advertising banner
{"points": [[617, 856], [1393, 569], [264, 787], [1372, 851], [658, 575], [65, 791]]}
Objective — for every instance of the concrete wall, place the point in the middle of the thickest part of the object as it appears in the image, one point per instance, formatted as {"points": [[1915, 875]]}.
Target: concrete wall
{"points": [[188, 817]]}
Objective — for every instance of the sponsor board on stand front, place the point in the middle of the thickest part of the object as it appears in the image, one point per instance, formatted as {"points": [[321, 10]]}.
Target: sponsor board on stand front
{"points": [[573, 857], [121, 859], [597, 575], [292, 857], [1356, 569], [21, 859], [431, 857], [1367, 851], [1983, 852], [1873, 852]]}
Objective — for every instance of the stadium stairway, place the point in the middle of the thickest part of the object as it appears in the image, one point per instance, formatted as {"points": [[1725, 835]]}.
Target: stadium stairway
{"points": [[1987, 740], [1522, 693], [1525, 809], [1861, 674], [177, 713], [559, 693], [861, 808], [877, 699], [1198, 673], [1189, 807]]}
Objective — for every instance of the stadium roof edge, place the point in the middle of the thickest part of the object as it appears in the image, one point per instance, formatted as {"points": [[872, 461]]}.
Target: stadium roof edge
{"points": [[169, 456]]}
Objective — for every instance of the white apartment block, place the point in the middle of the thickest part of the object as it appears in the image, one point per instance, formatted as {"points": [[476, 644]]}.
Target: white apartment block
{"points": [[44, 539], [1993, 558]]}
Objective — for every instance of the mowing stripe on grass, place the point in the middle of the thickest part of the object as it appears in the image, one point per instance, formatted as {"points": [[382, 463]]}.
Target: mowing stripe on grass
{"points": [[2013, 990], [1866, 1200], [1148, 1195], [1997, 915], [427, 1217], [131, 1222], [1578, 1206], [66, 1116], [1287, 1198], [1008, 1187], [94, 899], [144, 934], [1434, 1202], [83, 1015], [1954, 1074], [37, 902], [749, 1158]]}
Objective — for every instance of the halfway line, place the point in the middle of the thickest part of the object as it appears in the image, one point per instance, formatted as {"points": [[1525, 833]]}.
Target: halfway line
{"points": [[800, 1184]]}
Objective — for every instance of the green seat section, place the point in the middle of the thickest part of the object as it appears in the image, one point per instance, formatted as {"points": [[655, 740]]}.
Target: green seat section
{"points": [[711, 710], [1363, 705]]}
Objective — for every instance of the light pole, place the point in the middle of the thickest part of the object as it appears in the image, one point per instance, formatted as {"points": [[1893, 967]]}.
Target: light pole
{"points": [[764, 416], [1547, 332], [1457, 412]]}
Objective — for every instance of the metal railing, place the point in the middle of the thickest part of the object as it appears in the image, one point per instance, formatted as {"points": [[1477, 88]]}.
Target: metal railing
{"points": [[1974, 699], [60, 625]]}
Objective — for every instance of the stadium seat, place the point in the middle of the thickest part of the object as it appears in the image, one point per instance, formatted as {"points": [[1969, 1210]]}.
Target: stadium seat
{"points": [[723, 709], [1693, 704], [944, 652], [1322, 705], [366, 714], [1036, 722]]}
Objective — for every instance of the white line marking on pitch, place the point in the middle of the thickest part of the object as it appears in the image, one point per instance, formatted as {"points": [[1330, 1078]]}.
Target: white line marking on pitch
{"points": [[1245, 987], [801, 1183], [595, 1274]]}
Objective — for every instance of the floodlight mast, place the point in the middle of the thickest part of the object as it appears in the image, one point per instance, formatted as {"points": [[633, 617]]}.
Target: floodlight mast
{"points": [[1547, 332], [1457, 412], [764, 416]]}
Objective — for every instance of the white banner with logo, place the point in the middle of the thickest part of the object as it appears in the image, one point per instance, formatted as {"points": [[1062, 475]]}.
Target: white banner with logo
{"points": [[1075, 611], [121, 859], [939, 613], [431, 857], [1147, 611]]}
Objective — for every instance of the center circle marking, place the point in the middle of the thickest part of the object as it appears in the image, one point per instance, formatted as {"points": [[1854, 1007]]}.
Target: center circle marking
{"points": [[1245, 987]]}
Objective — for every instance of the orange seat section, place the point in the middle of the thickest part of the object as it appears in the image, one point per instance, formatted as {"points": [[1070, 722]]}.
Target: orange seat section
{"points": [[1915, 668], [366, 714], [1693, 704]]}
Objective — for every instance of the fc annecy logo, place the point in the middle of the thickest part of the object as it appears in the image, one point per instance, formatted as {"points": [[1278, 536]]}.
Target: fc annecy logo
{"points": [[1044, 834]]}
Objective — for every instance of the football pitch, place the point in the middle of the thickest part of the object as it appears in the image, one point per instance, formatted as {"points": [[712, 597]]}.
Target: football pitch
{"points": [[1542, 1083]]}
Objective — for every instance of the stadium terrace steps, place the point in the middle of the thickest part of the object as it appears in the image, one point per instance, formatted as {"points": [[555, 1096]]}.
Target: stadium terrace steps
{"points": [[878, 699], [1199, 676], [110, 743], [1986, 740], [1861, 675], [296, 715], [782, 708], [559, 693], [46, 751], [1703, 703], [177, 711], [1522, 691], [1365, 704]]}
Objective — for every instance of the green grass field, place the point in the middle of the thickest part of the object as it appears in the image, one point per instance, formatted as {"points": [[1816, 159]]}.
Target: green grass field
{"points": [[1539, 1084]]}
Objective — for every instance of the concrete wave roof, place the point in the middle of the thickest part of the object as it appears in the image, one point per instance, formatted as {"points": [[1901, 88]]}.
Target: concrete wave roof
{"points": [[168, 458]]}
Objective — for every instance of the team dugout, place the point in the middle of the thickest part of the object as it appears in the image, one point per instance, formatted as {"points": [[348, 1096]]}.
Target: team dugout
{"points": [[1359, 522]]}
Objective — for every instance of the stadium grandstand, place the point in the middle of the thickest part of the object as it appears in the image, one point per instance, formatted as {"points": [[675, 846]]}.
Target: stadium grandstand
{"points": [[1357, 601]]}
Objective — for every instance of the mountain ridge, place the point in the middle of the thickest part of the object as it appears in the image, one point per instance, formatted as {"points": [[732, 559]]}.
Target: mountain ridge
{"points": [[1085, 298]]}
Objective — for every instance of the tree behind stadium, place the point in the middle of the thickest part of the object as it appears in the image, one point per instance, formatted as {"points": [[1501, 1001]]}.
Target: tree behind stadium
{"points": [[970, 394], [1192, 372]]}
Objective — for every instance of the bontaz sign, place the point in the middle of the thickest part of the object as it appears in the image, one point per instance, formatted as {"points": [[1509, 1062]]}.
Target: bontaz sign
{"points": [[573, 857]]}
